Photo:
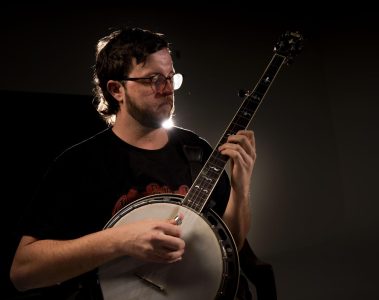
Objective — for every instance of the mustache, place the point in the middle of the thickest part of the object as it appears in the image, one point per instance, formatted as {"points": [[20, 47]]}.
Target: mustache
{"points": [[168, 100]]}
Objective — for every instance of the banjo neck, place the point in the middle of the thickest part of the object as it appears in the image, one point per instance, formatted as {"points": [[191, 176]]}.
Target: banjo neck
{"points": [[200, 191]]}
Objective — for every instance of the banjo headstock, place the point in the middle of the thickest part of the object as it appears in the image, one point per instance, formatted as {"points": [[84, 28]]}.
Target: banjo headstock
{"points": [[289, 45]]}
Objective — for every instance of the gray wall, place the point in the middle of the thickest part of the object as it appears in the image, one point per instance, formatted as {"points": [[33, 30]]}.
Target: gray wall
{"points": [[315, 201]]}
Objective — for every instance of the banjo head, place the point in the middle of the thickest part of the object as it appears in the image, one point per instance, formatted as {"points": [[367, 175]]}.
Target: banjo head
{"points": [[209, 268]]}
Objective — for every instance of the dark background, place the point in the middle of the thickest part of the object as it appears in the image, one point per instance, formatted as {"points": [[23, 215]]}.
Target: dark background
{"points": [[314, 191]]}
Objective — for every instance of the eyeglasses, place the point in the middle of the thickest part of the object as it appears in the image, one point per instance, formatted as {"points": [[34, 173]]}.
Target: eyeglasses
{"points": [[158, 81]]}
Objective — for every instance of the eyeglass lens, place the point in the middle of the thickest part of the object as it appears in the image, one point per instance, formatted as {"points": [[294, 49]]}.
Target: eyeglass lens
{"points": [[160, 81]]}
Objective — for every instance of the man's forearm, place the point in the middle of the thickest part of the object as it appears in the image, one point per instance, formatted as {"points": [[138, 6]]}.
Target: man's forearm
{"points": [[41, 263], [237, 217]]}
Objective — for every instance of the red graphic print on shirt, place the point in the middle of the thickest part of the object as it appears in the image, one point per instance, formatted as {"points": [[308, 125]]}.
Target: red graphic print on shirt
{"points": [[151, 189]]}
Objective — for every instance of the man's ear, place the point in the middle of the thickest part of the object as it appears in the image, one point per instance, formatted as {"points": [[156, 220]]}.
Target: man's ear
{"points": [[116, 89]]}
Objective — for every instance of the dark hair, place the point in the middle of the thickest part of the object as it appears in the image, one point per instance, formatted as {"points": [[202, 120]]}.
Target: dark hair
{"points": [[114, 54]]}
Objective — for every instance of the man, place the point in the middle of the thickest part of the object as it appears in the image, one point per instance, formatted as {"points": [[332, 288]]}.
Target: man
{"points": [[63, 240]]}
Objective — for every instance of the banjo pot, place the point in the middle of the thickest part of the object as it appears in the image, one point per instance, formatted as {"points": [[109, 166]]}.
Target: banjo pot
{"points": [[209, 268]]}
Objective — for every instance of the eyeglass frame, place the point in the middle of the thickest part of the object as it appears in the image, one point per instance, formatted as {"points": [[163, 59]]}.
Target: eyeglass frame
{"points": [[152, 84]]}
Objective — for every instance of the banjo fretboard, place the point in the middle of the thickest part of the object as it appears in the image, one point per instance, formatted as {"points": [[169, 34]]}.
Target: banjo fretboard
{"points": [[288, 46], [209, 175]]}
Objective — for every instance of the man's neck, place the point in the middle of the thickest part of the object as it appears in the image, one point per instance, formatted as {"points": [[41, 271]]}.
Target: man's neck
{"points": [[141, 137]]}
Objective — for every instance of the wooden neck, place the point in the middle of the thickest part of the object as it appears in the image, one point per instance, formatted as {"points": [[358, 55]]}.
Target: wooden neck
{"points": [[200, 191]]}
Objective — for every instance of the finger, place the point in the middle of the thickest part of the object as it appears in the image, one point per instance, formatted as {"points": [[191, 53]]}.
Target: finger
{"points": [[236, 153], [177, 220], [251, 137], [167, 257], [169, 227], [248, 133], [246, 141], [169, 242], [175, 256], [169, 251]]}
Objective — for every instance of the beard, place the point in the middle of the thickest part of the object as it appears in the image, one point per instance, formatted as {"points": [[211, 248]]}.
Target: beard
{"points": [[148, 118]]}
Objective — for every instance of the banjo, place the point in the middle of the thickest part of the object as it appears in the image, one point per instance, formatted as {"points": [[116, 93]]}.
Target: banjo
{"points": [[210, 267]]}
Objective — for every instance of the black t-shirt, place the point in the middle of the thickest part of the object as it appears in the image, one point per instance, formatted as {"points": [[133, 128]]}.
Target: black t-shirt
{"points": [[89, 182]]}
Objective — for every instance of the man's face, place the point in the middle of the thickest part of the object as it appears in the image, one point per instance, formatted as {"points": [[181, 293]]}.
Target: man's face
{"points": [[149, 106]]}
